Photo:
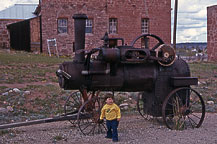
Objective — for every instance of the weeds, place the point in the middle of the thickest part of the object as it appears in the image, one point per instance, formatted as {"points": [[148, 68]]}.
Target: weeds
{"points": [[59, 138], [4, 132]]}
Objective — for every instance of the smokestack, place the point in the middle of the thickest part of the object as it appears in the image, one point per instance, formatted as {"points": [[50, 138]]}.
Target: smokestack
{"points": [[79, 28]]}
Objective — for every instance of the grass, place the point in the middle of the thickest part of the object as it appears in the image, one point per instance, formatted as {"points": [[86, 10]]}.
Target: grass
{"points": [[203, 70], [22, 67], [35, 73], [20, 57], [207, 74]]}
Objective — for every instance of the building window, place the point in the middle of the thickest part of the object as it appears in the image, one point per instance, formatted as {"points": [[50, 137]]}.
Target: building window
{"points": [[89, 26], [62, 25], [113, 26], [145, 30], [145, 26]]}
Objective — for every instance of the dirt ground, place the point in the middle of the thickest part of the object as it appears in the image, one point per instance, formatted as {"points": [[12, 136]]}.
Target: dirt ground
{"points": [[133, 129]]}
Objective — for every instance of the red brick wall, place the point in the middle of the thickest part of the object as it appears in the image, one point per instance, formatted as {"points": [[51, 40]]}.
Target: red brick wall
{"points": [[212, 33], [128, 13], [35, 29], [4, 34], [35, 34]]}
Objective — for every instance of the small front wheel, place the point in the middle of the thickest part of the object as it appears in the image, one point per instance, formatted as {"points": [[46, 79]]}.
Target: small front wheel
{"points": [[88, 117], [72, 105]]}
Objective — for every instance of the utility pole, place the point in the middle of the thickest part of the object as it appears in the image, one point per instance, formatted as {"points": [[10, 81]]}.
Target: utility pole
{"points": [[175, 24]]}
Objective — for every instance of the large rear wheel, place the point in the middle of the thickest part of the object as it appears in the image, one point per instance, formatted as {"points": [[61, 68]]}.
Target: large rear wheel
{"points": [[183, 108]]}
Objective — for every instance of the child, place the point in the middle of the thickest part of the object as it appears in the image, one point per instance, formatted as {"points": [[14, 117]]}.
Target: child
{"points": [[112, 114]]}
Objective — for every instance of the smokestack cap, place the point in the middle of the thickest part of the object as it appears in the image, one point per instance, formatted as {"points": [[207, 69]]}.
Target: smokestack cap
{"points": [[80, 16]]}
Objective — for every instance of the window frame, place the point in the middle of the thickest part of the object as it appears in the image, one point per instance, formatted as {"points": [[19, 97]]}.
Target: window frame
{"points": [[113, 26], [89, 26], [145, 25], [62, 26]]}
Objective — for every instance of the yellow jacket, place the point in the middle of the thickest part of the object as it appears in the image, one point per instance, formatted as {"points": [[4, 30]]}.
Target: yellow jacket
{"points": [[110, 112]]}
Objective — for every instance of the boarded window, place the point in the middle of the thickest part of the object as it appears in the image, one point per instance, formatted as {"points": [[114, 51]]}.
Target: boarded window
{"points": [[89, 26], [113, 25], [145, 26], [62, 25]]}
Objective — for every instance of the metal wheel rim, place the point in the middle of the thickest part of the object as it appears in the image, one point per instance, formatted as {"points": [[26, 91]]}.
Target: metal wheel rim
{"points": [[72, 104], [186, 115], [88, 126]]}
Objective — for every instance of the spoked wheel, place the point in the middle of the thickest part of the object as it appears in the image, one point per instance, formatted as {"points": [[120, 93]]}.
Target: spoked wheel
{"points": [[165, 54], [88, 117], [158, 40], [72, 104], [183, 108], [140, 107]]}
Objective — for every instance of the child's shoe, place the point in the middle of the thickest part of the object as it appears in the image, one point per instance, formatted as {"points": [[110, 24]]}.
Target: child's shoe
{"points": [[108, 137], [115, 140]]}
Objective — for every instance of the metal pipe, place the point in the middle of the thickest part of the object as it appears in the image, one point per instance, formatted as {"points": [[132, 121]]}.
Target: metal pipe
{"points": [[175, 24], [79, 30]]}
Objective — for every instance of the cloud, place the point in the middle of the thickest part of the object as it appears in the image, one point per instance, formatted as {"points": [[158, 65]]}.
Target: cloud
{"points": [[7, 3], [192, 20], [192, 34], [201, 14]]}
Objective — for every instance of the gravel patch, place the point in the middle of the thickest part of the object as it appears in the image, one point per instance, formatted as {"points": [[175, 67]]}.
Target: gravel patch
{"points": [[132, 129]]}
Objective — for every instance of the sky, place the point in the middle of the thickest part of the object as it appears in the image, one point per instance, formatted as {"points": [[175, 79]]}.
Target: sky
{"points": [[192, 18]]}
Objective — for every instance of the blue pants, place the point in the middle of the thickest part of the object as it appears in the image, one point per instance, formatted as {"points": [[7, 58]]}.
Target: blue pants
{"points": [[112, 132]]}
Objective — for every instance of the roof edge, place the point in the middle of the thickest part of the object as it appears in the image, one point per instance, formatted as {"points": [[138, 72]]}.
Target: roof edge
{"points": [[33, 4], [213, 6]]}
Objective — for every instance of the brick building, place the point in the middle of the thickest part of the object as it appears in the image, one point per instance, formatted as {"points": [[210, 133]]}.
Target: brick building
{"points": [[13, 14], [212, 32], [4, 35], [126, 19], [25, 35]]}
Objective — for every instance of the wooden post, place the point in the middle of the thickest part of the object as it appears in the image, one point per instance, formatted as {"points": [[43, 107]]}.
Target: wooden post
{"points": [[175, 23]]}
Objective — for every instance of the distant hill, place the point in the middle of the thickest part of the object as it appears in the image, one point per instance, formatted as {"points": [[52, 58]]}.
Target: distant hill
{"points": [[191, 49], [197, 46]]}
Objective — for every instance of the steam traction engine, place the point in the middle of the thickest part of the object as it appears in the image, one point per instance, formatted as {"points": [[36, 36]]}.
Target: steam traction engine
{"points": [[163, 79]]}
